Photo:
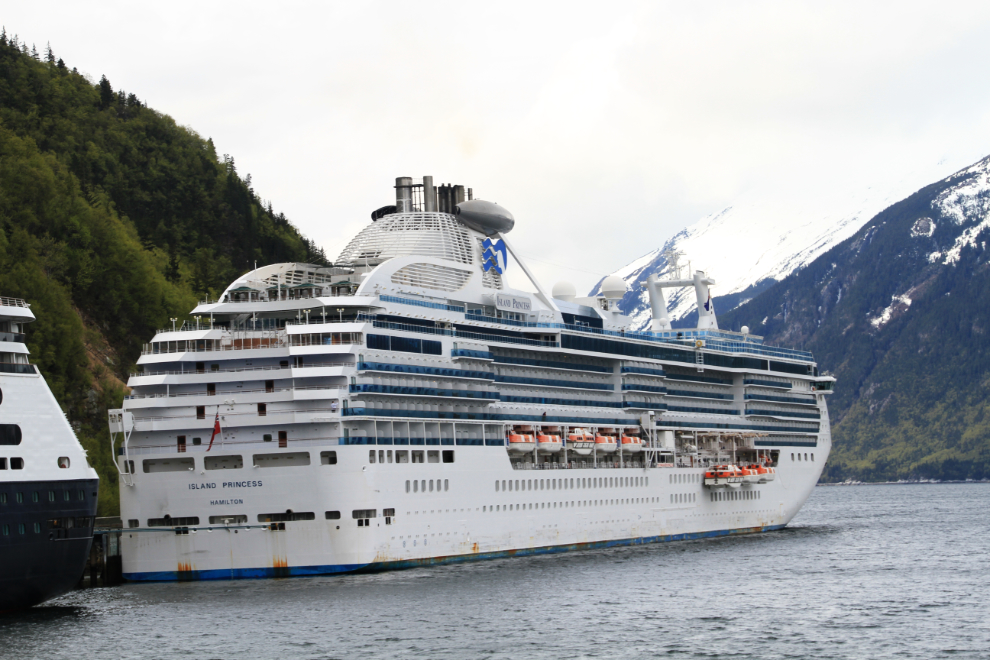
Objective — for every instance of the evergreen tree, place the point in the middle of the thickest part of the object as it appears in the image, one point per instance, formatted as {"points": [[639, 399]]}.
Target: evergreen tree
{"points": [[106, 93]]}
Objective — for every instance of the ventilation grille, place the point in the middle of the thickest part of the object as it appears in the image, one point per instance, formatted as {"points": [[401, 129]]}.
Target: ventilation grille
{"points": [[431, 276], [410, 234]]}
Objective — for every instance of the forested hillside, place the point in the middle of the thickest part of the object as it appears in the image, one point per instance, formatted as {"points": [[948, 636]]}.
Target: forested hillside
{"points": [[900, 314], [113, 218]]}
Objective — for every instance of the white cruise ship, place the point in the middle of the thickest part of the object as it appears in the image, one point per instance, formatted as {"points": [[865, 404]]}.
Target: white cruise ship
{"points": [[48, 491], [406, 406]]}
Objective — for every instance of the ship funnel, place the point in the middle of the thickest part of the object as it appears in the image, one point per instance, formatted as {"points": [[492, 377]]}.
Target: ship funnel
{"points": [[403, 194], [706, 308]]}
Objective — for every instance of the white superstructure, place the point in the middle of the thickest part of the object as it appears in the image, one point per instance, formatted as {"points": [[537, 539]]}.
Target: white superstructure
{"points": [[405, 406]]}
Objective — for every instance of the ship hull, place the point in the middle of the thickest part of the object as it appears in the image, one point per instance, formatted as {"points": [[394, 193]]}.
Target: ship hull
{"points": [[39, 566]]}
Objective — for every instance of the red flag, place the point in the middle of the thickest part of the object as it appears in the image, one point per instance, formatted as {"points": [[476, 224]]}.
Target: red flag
{"points": [[216, 429]]}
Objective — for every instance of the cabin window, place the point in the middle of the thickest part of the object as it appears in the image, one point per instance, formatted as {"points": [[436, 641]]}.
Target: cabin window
{"points": [[431, 485], [288, 516], [10, 434], [3, 463], [417, 456], [284, 459], [422, 485], [283, 438], [211, 389], [165, 465], [200, 367], [169, 521], [181, 443], [388, 514], [812, 457], [496, 485], [415, 485], [433, 456], [284, 364], [446, 484], [371, 456], [328, 458], [407, 485], [229, 519], [223, 462], [267, 437], [333, 515], [448, 455], [381, 455], [402, 456], [269, 385], [214, 367], [262, 409], [133, 523], [388, 454]]}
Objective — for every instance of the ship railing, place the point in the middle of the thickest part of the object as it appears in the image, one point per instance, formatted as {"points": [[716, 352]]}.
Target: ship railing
{"points": [[579, 465], [222, 445], [243, 369], [14, 302], [228, 342], [13, 336], [221, 394]]}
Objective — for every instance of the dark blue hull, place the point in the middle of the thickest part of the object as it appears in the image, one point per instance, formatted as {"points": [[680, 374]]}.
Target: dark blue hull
{"points": [[46, 528]]}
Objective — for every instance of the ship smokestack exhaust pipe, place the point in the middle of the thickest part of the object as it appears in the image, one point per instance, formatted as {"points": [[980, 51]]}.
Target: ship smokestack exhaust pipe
{"points": [[429, 195], [403, 194]]}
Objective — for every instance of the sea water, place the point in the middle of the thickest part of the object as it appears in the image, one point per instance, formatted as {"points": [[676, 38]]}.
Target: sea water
{"points": [[893, 571]]}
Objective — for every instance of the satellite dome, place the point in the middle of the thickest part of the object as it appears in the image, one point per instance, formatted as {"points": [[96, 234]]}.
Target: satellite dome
{"points": [[613, 287], [487, 217], [564, 291]]}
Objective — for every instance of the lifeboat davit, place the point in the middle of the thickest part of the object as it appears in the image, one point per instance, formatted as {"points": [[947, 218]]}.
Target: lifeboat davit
{"points": [[549, 443], [605, 444], [580, 442], [520, 443], [631, 444]]}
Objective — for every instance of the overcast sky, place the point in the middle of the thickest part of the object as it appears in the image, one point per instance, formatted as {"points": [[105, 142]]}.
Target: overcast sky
{"points": [[603, 127]]}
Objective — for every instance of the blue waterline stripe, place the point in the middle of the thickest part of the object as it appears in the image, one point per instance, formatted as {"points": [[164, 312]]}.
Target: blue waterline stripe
{"points": [[332, 569]]}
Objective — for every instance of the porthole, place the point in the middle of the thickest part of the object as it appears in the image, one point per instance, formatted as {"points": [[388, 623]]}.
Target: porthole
{"points": [[63, 462]]}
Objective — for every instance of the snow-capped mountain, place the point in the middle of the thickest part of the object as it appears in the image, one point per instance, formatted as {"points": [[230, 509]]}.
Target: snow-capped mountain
{"points": [[758, 241], [899, 313]]}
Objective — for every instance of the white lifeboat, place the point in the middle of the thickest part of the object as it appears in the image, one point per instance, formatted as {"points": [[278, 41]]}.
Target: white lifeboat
{"points": [[550, 444], [520, 443], [631, 444]]}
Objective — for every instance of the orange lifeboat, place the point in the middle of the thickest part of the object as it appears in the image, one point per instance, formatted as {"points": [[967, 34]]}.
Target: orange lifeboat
{"points": [[721, 476], [550, 444], [765, 474], [605, 444], [520, 443], [631, 444], [579, 442]]}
